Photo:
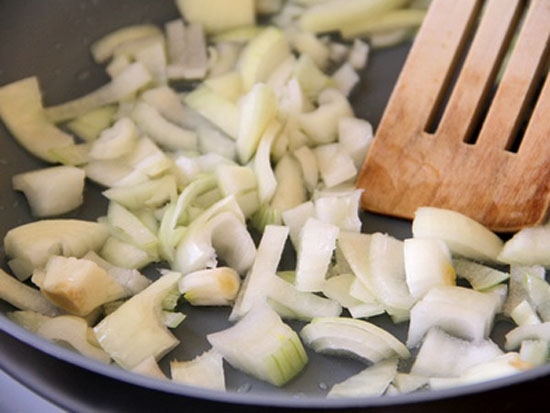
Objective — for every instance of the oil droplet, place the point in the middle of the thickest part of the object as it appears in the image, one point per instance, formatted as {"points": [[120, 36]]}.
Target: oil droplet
{"points": [[244, 388], [58, 46], [323, 386], [83, 76]]}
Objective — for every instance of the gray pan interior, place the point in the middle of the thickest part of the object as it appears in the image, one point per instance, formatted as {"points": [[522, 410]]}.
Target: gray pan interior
{"points": [[51, 39]]}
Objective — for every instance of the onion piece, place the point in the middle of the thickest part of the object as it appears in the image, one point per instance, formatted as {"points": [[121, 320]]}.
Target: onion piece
{"points": [[205, 370], [277, 354], [372, 381], [51, 191], [130, 80], [22, 111]]}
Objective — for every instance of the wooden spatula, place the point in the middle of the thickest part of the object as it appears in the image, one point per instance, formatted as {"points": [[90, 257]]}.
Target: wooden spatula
{"points": [[487, 152]]}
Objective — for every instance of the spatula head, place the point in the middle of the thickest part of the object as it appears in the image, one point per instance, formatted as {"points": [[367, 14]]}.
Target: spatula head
{"points": [[468, 124]]}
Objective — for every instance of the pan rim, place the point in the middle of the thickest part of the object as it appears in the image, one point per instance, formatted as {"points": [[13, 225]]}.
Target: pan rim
{"points": [[258, 398]]}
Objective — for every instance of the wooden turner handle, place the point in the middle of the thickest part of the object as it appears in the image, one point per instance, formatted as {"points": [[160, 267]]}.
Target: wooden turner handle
{"points": [[456, 150]]}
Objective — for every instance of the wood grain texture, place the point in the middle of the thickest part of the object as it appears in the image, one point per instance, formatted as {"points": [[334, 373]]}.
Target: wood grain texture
{"points": [[464, 163]]}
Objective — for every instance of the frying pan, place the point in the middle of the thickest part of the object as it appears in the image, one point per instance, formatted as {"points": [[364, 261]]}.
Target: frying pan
{"points": [[51, 39]]}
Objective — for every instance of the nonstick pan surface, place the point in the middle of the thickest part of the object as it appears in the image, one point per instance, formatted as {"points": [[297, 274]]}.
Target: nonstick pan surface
{"points": [[51, 39]]}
